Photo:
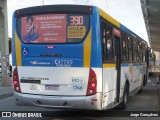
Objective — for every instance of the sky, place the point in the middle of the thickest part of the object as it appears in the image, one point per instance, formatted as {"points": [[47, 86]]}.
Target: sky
{"points": [[127, 12]]}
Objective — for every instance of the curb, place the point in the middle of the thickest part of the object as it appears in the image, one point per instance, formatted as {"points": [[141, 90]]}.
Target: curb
{"points": [[6, 95]]}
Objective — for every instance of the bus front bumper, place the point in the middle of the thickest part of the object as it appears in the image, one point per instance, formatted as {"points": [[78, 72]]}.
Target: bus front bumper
{"points": [[69, 102]]}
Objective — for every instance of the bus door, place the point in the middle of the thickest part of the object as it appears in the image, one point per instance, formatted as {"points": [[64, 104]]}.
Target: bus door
{"points": [[117, 35]]}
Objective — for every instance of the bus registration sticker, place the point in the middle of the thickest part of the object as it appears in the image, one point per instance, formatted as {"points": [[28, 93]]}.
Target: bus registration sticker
{"points": [[52, 87], [77, 80], [78, 83], [77, 87]]}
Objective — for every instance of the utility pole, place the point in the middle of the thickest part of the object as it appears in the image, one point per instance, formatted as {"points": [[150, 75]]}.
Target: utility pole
{"points": [[4, 42]]}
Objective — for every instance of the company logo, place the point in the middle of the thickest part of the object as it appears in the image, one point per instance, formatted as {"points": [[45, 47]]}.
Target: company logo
{"points": [[39, 63], [21, 115]]}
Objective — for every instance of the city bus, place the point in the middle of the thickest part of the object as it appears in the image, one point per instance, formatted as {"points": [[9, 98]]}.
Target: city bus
{"points": [[75, 57]]}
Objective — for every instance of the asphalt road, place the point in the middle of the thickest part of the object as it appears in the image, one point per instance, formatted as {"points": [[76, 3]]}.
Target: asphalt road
{"points": [[145, 101]]}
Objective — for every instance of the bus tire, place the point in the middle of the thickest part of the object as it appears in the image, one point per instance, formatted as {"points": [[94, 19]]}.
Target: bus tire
{"points": [[140, 91], [125, 97]]}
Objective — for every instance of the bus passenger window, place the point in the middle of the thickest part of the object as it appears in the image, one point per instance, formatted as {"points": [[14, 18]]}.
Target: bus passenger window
{"points": [[138, 52], [124, 48], [107, 42], [134, 51], [130, 48], [104, 44], [109, 45], [141, 52], [127, 49], [144, 53]]}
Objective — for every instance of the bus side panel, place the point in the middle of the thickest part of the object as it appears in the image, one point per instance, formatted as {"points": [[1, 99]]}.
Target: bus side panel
{"points": [[136, 79], [124, 77], [128, 75], [109, 85], [134, 76], [141, 77], [134, 73], [142, 69]]}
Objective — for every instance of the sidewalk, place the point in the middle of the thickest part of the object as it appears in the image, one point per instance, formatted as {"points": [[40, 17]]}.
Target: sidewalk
{"points": [[157, 71], [158, 90], [6, 91]]}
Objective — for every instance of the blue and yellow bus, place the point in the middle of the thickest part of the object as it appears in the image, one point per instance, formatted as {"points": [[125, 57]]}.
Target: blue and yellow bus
{"points": [[75, 57]]}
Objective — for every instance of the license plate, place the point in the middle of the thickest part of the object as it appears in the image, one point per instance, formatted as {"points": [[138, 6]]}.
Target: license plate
{"points": [[52, 87]]}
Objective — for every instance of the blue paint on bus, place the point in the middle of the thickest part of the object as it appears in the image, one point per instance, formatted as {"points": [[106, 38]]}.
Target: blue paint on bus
{"points": [[96, 56], [13, 40]]}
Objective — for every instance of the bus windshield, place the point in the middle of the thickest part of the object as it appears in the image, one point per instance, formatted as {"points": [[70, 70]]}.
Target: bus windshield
{"points": [[53, 28]]}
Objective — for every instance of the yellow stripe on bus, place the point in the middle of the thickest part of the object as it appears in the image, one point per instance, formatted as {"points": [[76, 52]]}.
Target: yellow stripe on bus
{"points": [[109, 18], [109, 65], [18, 50], [87, 50]]}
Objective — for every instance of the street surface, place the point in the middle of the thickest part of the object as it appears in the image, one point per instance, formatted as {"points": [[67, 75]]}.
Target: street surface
{"points": [[145, 101]]}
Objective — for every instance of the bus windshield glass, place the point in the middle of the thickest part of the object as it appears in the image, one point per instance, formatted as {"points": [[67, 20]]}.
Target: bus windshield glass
{"points": [[53, 28]]}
